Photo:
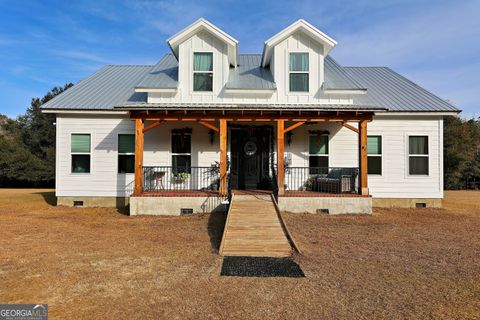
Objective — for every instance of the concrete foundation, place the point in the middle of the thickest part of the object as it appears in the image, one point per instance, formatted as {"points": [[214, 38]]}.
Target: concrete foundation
{"points": [[109, 202], [172, 206], [330, 205], [407, 203]]}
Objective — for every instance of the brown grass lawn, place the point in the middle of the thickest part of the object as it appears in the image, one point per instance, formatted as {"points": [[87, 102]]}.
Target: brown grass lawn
{"points": [[98, 263]]}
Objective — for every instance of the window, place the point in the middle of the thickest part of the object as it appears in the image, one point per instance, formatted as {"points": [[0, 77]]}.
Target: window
{"points": [[202, 71], [126, 153], [418, 155], [181, 152], [80, 150], [299, 72], [374, 150], [318, 151]]}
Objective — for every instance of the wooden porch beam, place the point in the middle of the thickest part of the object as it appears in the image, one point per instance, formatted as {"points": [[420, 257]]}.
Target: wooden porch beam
{"points": [[294, 126], [363, 157], [346, 125], [138, 187], [281, 156], [153, 125], [223, 157], [209, 125], [254, 119]]}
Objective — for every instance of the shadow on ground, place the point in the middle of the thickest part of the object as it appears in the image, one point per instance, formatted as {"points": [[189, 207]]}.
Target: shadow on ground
{"points": [[49, 197], [216, 224], [261, 267]]}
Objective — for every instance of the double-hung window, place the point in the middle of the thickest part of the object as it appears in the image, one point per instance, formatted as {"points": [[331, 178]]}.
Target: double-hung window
{"points": [[181, 152], [126, 153], [298, 72], [80, 150], [202, 71], [374, 150], [418, 155], [318, 151]]}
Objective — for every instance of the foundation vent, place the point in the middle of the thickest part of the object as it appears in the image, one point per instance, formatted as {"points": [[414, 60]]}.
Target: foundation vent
{"points": [[323, 211], [78, 203], [420, 205], [186, 211]]}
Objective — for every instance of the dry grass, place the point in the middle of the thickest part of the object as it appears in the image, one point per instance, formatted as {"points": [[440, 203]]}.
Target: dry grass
{"points": [[98, 263]]}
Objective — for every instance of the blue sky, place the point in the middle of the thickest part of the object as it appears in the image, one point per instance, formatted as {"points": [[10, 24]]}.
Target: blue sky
{"points": [[48, 43]]}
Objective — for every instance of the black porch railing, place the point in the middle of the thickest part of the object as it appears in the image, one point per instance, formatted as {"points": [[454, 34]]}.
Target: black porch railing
{"points": [[319, 179], [181, 178]]}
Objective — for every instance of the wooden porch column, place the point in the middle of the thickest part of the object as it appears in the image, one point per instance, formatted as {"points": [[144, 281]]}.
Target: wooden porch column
{"points": [[138, 189], [223, 157], [362, 157], [280, 156]]}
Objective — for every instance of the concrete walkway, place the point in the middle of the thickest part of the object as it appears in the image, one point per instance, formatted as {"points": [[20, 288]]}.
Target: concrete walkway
{"points": [[253, 229]]}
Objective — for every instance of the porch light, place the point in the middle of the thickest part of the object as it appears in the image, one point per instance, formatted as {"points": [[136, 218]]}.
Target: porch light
{"points": [[211, 135], [289, 136]]}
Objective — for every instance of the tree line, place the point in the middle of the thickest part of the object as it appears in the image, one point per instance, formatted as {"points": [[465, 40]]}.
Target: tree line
{"points": [[27, 148]]}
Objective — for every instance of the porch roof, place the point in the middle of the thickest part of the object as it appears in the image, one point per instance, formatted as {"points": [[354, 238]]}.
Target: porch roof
{"points": [[247, 106]]}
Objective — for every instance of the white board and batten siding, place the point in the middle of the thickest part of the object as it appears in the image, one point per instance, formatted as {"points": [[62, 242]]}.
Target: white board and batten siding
{"points": [[104, 181], [205, 42]]}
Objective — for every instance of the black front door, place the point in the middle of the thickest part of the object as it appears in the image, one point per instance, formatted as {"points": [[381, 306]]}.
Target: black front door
{"points": [[250, 150]]}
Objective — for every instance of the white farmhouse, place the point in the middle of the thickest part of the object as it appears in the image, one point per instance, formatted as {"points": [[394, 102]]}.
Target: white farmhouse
{"points": [[207, 121]]}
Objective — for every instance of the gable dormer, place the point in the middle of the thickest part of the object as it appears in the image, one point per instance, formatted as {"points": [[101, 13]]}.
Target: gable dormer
{"points": [[205, 54], [295, 57]]}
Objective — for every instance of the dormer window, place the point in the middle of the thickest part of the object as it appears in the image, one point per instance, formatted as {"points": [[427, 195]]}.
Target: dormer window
{"points": [[299, 72], [202, 71]]}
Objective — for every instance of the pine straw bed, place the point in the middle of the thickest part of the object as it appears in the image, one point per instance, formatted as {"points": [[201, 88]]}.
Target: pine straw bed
{"points": [[99, 263]]}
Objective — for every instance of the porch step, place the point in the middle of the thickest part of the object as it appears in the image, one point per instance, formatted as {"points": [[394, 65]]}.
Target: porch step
{"points": [[253, 229]]}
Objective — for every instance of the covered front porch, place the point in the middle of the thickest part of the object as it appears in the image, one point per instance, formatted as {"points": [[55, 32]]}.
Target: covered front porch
{"points": [[251, 155]]}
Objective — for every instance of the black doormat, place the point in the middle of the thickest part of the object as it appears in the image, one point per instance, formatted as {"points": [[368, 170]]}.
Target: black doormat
{"points": [[260, 267]]}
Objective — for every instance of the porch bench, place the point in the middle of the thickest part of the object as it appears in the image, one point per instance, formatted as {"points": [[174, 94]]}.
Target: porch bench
{"points": [[338, 180]]}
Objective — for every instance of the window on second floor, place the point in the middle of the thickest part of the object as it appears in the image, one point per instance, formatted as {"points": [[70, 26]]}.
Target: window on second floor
{"points": [[202, 71], [298, 72]]}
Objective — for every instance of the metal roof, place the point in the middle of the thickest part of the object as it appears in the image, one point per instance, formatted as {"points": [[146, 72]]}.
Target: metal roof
{"points": [[335, 77], [107, 87], [250, 75], [114, 86], [390, 90], [163, 75]]}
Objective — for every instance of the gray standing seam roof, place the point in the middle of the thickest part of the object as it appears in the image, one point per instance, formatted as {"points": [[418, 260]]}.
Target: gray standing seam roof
{"points": [[337, 78], [106, 88], [250, 75], [114, 86], [389, 89], [163, 75]]}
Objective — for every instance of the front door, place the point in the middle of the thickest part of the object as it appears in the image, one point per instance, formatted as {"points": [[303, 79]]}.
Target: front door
{"points": [[250, 150]]}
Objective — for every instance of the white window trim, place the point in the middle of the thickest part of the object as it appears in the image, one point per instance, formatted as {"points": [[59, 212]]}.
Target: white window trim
{"points": [[81, 153], [407, 166], [194, 71], [180, 154], [376, 155], [327, 155], [124, 154], [299, 72]]}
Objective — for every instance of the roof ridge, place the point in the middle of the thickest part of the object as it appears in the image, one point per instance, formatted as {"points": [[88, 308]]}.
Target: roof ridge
{"points": [[366, 67], [128, 65]]}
